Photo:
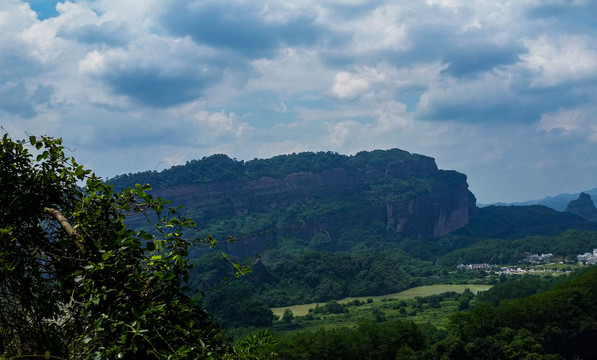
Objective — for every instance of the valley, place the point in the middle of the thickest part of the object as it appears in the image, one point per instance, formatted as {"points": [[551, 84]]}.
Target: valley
{"points": [[370, 245], [419, 291]]}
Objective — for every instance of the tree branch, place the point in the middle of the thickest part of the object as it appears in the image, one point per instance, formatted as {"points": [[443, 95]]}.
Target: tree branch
{"points": [[66, 226]]}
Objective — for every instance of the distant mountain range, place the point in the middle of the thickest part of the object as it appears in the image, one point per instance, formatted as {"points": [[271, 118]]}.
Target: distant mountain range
{"points": [[557, 202]]}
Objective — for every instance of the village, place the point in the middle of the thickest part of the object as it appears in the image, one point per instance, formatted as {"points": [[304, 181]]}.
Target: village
{"points": [[529, 264]]}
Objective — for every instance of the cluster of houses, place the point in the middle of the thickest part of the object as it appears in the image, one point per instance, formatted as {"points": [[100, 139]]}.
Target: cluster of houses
{"points": [[484, 267], [540, 259], [588, 258], [488, 267]]}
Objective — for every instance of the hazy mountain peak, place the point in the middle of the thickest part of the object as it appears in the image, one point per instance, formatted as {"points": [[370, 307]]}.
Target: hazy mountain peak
{"points": [[583, 206]]}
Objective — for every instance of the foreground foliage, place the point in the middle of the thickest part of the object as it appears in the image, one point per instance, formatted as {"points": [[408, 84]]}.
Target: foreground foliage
{"points": [[368, 340], [76, 283]]}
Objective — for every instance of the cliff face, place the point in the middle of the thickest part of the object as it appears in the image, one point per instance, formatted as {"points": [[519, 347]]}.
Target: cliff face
{"points": [[416, 197], [432, 213]]}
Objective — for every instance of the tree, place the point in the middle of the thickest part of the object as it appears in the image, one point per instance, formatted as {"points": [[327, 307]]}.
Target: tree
{"points": [[235, 306], [77, 283], [288, 316]]}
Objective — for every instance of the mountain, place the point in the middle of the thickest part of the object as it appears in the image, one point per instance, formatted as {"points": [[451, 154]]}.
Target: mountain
{"points": [[511, 222], [331, 202], [583, 206], [327, 226], [507, 224], [406, 192], [557, 202]]}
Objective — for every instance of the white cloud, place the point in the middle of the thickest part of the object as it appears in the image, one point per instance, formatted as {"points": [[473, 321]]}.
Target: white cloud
{"points": [[472, 100], [350, 2], [292, 70], [339, 112], [417, 75], [222, 122], [452, 4], [560, 60], [593, 134], [177, 75], [384, 28], [566, 120], [347, 86], [15, 16], [93, 64], [392, 115], [18, 56], [382, 82], [139, 13], [280, 107], [341, 132]]}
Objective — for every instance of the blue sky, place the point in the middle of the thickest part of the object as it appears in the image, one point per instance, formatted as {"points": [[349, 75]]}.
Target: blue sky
{"points": [[503, 91]]}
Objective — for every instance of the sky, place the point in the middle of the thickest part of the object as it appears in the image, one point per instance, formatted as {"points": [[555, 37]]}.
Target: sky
{"points": [[503, 91]]}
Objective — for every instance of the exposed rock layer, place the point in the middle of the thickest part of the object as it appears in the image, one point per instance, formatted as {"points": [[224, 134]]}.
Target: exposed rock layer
{"points": [[424, 210]]}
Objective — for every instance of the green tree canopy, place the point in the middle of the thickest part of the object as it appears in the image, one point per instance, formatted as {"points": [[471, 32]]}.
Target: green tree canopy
{"points": [[76, 283]]}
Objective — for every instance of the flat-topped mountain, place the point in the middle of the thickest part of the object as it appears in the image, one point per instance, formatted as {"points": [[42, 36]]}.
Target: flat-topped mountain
{"points": [[328, 226], [405, 191]]}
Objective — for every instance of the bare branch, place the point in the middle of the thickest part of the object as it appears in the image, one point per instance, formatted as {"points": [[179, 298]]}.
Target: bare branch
{"points": [[66, 226]]}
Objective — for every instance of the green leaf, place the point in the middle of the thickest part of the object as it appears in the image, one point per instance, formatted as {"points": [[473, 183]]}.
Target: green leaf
{"points": [[180, 261], [150, 246]]}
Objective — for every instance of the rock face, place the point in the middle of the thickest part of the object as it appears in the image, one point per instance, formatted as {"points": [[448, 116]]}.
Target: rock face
{"points": [[435, 212], [583, 206], [432, 215], [416, 197]]}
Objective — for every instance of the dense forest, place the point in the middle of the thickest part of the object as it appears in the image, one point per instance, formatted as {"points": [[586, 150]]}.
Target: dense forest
{"points": [[368, 259], [220, 167]]}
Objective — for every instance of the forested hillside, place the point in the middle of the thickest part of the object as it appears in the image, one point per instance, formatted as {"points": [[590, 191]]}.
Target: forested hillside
{"points": [[505, 251], [326, 225], [501, 227]]}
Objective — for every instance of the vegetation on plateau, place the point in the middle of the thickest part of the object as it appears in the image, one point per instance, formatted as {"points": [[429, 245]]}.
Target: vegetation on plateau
{"points": [[220, 167]]}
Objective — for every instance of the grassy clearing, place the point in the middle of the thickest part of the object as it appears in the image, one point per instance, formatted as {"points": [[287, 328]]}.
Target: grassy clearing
{"points": [[559, 267], [301, 310]]}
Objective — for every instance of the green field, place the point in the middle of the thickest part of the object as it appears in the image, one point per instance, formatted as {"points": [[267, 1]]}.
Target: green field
{"points": [[301, 310]]}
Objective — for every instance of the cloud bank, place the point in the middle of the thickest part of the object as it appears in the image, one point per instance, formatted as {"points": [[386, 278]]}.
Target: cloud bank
{"points": [[502, 91]]}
